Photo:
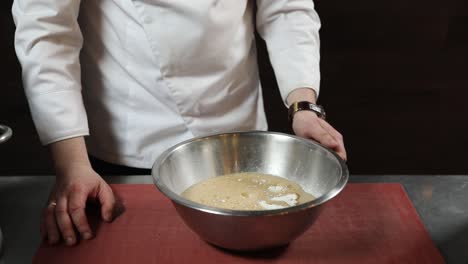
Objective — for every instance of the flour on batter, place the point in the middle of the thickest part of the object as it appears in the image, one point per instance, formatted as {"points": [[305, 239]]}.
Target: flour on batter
{"points": [[247, 191]]}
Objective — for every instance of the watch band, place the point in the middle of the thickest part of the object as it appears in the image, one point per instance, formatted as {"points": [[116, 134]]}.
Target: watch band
{"points": [[307, 106]]}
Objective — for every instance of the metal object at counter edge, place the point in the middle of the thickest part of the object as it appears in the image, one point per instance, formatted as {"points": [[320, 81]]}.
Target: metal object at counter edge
{"points": [[5, 133]]}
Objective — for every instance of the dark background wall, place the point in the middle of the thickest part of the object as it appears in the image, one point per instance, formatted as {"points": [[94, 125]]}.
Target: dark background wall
{"points": [[394, 82]]}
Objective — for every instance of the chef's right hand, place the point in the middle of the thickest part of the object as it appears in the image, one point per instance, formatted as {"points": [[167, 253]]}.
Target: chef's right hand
{"points": [[64, 216]]}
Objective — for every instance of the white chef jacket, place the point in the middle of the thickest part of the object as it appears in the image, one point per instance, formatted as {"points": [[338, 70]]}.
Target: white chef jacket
{"points": [[139, 76]]}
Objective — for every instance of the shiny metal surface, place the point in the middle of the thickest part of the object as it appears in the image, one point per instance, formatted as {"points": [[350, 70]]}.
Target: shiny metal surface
{"points": [[318, 170], [5, 133]]}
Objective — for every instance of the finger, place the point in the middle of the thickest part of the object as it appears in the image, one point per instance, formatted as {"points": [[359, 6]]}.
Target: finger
{"points": [[76, 210], [107, 199], [64, 222], [50, 228], [340, 150]]}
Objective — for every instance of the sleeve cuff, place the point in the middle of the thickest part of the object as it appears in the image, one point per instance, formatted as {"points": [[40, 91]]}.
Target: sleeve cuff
{"points": [[59, 115], [293, 70]]}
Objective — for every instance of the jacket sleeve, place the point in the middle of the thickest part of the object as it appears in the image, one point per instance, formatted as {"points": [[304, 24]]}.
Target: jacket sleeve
{"points": [[290, 29], [48, 41]]}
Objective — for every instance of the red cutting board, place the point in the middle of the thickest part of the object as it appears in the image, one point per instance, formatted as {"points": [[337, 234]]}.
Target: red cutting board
{"points": [[366, 223]]}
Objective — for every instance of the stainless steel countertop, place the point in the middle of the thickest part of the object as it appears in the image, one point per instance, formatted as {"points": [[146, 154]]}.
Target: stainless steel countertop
{"points": [[441, 201]]}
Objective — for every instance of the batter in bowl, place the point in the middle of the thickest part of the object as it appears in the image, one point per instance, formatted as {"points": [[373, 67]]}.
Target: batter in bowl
{"points": [[247, 191]]}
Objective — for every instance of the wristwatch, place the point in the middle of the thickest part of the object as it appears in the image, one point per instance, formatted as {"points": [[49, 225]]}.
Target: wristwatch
{"points": [[307, 106]]}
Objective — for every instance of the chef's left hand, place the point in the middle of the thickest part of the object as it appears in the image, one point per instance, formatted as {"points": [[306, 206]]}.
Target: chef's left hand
{"points": [[308, 125]]}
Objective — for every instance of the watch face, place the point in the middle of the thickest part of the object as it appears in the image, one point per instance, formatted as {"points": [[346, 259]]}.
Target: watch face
{"points": [[317, 109], [320, 110]]}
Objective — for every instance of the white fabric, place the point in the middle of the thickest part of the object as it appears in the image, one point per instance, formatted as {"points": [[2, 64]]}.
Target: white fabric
{"points": [[139, 76]]}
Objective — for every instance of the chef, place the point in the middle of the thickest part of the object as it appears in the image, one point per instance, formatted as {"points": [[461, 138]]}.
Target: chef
{"points": [[135, 77]]}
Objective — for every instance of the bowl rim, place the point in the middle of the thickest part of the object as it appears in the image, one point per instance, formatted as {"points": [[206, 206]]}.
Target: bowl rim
{"points": [[174, 197]]}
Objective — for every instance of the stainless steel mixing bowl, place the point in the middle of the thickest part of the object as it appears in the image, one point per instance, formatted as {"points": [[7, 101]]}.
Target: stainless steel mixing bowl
{"points": [[318, 170]]}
